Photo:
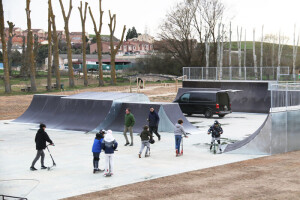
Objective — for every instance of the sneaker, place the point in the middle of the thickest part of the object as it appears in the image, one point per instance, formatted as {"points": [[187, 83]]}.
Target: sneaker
{"points": [[147, 155], [94, 171], [140, 155], [158, 138], [126, 144], [220, 150], [131, 144], [33, 169], [43, 167]]}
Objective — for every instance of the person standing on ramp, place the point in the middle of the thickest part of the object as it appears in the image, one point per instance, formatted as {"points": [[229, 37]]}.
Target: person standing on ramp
{"points": [[153, 119], [178, 132], [41, 138], [129, 123]]}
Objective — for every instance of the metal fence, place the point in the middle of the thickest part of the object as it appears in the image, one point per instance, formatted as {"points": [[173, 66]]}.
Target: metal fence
{"points": [[285, 96], [237, 73]]}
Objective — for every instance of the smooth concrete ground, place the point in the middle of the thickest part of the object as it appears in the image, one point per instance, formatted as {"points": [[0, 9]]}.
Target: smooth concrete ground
{"points": [[72, 153]]}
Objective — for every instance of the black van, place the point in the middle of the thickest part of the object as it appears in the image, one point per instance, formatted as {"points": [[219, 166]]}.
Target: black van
{"points": [[208, 103]]}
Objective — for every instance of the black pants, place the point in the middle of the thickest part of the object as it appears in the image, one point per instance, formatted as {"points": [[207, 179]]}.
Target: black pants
{"points": [[40, 153], [153, 129], [96, 160]]}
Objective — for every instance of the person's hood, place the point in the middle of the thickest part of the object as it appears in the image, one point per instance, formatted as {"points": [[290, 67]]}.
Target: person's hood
{"points": [[178, 125], [108, 136], [41, 130]]}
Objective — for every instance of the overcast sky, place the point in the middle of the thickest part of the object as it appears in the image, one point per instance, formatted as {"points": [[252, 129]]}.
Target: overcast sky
{"points": [[276, 15]]}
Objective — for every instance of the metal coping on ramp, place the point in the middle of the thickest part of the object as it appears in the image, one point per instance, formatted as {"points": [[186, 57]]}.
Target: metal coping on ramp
{"points": [[280, 133]]}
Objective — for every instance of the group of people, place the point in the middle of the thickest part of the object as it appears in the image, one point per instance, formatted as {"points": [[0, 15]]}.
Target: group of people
{"points": [[104, 140]]}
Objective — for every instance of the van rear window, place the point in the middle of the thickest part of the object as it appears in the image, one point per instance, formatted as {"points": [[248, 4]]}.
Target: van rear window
{"points": [[210, 97]]}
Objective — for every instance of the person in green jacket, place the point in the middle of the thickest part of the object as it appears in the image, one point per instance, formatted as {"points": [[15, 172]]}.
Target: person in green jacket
{"points": [[129, 123]]}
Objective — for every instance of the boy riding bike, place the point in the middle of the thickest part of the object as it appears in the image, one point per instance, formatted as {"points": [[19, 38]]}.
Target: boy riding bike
{"points": [[216, 131]]}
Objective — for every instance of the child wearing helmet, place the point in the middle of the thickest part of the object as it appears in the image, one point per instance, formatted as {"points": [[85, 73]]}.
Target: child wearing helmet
{"points": [[216, 131]]}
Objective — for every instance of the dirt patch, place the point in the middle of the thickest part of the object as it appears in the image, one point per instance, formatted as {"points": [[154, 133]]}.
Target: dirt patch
{"points": [[11, 107], [273, 177]]}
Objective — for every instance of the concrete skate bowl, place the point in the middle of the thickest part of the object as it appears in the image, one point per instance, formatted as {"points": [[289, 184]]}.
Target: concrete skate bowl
{"points": [[40, 108], [279, 133], [169, 113]]}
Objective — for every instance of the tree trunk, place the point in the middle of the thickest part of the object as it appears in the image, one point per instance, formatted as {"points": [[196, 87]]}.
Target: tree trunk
{"points": [[83, 19], [262, 47], [49, 77], [4, 52], [114, 51], [69, 47], [207, 51], [99, 42], [9, 44], [239, 35], [221, 54], [229, 53], [295, 49], [245, 50], [35, 51], [55, 49], [254, 56], [30, 58], [24, 69]]}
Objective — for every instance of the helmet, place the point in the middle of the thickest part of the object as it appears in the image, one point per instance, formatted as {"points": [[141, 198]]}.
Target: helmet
{"points": [[152, 141], [216, 122]]}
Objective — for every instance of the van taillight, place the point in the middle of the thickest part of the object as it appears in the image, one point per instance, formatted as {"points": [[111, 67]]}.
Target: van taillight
{"points": [[229, 105], [217, 106]]}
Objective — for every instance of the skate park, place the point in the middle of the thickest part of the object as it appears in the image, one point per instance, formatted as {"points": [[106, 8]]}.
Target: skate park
{"points": [[267, 133]]}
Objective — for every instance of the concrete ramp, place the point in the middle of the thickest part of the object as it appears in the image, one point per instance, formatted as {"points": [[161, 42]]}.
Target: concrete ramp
{"points": [[279, 133], [40, 108]]}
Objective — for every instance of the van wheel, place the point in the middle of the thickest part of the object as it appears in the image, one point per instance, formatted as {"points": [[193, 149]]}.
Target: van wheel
{"points": [[208, 114], [221, 115]]}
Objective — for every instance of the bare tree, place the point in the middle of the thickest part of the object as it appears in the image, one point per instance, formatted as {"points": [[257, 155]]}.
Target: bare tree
{"points": [[55, 48], [29, 54], [295, 50], [239, 44], [83, 19], [245, 50], [66, 20], [4, 51], [229, 52], [9, 44], [99, 42], [218, 47], [254, 56], [262, 47], [176, 33], [24, 66], [113, 49], [207, 51], [49, 77], [221, 53]]}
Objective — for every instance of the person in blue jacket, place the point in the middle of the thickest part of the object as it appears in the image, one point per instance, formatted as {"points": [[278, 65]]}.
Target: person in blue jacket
{"points": [[96, 149], [109, 145], [153, 119]]}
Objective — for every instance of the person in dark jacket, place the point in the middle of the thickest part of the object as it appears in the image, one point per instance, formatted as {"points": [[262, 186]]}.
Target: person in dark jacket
{"points": [[153, 119], [41, 138], [109, 145], [129, 123], [96, 149], [216, 131], [145, 137]]}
